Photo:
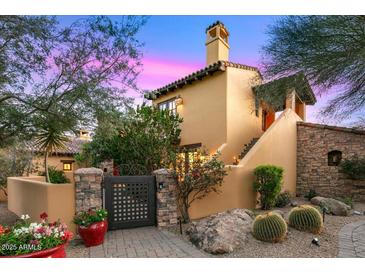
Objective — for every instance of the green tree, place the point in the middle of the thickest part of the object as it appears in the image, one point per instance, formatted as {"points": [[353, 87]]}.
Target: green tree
{"points": [[141, 140], [25, 43], [83, 69], [329, 50], [51, 136], [15, 160]]}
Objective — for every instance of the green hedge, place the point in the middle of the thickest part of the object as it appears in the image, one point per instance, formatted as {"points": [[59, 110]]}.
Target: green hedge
{"points": [[268, 183]]}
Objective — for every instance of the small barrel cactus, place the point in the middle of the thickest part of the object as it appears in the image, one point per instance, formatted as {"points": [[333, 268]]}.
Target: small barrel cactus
{"points": [[306, 218], [269, 227]]}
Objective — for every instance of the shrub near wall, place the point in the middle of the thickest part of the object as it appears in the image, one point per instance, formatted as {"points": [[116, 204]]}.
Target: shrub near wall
{"points": [[268, 183]]}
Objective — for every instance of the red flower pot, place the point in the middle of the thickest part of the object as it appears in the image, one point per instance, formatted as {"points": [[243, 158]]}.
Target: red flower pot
{"points": [[56, 252], [93, 234]]}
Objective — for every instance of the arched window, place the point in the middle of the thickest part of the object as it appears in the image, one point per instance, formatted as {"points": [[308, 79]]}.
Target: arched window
{"points": [[334, 157]]}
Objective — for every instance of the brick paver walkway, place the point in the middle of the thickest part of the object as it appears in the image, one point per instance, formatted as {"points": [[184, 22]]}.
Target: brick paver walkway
{"points": [[352, 240], [145, 242]]}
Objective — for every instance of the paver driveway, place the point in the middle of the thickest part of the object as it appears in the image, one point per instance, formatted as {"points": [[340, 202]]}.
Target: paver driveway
{"points": [[352, 240], [145, 242]]}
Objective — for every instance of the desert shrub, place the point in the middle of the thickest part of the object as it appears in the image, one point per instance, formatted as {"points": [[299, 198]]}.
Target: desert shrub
{"points": [[56, 176], [354, 168], [268, 183], [144, 137], [15, 160], [283, 199], [347, 200], [306, 218], [310, 194], [269, 227], [204, 175]]}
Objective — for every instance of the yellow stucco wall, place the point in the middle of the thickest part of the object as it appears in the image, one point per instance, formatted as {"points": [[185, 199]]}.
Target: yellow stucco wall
{"points": [[219, 112], [277, 146], [242, 123], [55, 161], [203, 111], [32, 196]]}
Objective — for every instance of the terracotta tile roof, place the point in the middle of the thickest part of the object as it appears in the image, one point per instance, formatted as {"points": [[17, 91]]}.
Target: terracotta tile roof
{"points": [[71, 148], [297, 81], [343, 129], [197, 75]]}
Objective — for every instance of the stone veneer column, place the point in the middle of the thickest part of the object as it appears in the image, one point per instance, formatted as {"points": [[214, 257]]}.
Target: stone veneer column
{"points": [[88, 188], [107, 166], [166, 202]]}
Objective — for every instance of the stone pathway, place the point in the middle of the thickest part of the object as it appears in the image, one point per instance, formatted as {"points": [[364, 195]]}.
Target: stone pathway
{"points": [[352, 240], [145, 242]]}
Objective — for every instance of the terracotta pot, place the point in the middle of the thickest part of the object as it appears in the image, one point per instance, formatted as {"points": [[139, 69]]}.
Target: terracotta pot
{"points": [[56, 252], [93, 234]]}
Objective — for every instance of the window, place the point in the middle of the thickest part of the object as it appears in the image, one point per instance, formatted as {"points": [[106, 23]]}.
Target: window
{"points": [[67, 165], [168, 105], [334, 157], [188, 155]]}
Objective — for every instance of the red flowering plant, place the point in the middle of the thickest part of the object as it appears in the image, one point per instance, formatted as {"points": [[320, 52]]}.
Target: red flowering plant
{"points": [[88, 217], [27, 237]]}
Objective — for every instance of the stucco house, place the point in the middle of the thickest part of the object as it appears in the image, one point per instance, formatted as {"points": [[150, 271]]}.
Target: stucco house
{"points": [[63, 158], [222, 112]]}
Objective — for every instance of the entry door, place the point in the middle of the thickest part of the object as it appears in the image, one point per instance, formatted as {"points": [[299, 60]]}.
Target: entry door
{"points": [[130, 201]]}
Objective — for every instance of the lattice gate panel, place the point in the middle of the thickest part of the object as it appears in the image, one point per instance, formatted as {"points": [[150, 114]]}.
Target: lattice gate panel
{"points": [[130, 201]]}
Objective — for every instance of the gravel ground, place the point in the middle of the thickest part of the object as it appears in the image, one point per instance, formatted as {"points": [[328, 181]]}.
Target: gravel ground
{"points": [[297, 244]]}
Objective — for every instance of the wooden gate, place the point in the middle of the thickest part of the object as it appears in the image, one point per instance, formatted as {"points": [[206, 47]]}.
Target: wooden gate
{"points": [[130, 201]]}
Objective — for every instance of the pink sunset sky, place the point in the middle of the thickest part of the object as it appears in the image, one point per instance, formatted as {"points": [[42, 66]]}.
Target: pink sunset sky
{"points": [[174, 46]]}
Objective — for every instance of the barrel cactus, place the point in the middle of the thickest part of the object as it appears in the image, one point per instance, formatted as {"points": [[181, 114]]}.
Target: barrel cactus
{"points": [[269, 227], [306, 218]]}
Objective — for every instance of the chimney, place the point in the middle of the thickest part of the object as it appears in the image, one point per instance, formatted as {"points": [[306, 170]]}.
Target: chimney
{"points": [[85, 134], [217, 46]]}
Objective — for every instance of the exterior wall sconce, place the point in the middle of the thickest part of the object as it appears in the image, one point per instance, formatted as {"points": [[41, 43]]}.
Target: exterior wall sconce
{"points": [[178, 101], [235, 160], [161, 186]]}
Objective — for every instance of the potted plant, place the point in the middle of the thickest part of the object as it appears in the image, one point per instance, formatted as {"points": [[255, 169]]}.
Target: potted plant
{"points": [[92, 226], [34, 240]]}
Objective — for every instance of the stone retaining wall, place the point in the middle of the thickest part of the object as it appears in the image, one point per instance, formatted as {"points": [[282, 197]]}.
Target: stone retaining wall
{"points": [[88, 188], [166, 198], [314, 142]]}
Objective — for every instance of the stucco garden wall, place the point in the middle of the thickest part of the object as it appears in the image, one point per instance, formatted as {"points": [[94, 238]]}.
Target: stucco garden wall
{"points": [[314, 143], [277, 146], [32, 196]]}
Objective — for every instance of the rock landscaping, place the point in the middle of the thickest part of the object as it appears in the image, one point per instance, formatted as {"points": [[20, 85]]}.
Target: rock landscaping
{"points": [[332, 206], [296, 244], [221, 233]]}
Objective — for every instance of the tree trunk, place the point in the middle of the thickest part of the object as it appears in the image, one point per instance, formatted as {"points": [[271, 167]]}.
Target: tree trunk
{"points": [[185, 212], [46, 166]]}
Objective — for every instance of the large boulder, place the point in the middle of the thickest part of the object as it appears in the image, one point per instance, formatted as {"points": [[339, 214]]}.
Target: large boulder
{"points": [[222, 232], [333, 206]]}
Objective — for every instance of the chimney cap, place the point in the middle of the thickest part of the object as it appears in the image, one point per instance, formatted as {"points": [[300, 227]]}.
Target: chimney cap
{"points": [[216, 23]]}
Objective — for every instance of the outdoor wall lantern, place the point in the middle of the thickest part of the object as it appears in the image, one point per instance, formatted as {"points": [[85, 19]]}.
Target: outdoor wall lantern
{"points": [[178, 101], [161, 185]]}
